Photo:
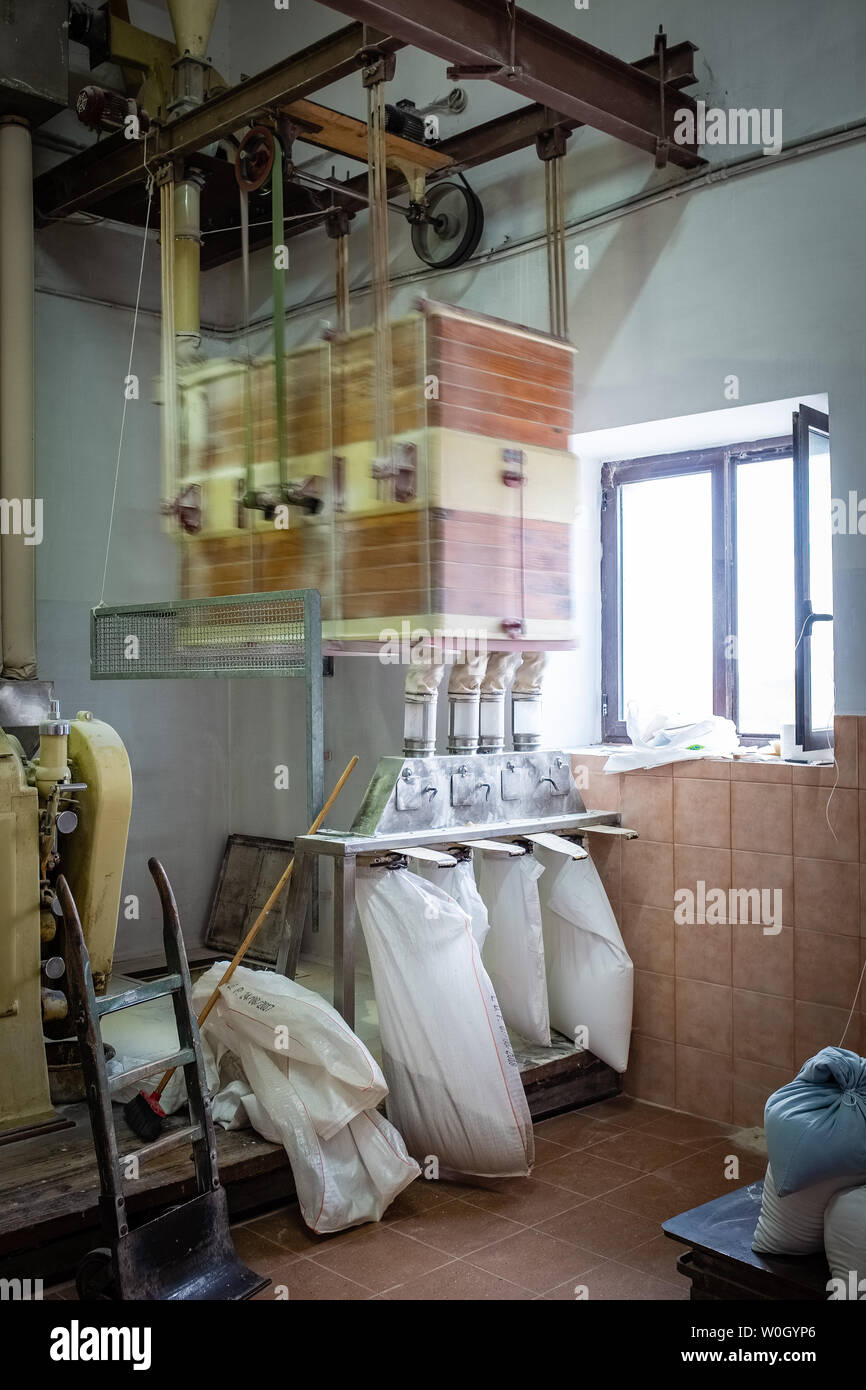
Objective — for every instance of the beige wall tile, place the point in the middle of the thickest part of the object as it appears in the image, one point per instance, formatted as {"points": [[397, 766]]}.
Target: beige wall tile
{"points": [[772, 872], [827, 896], [648, 933], [654, 1005], [763, 1028], [702, 812], [648, 873], [704, 1015], [826, 968], [704, 1083], [761, 817], [650, 1073], [763, 963], [703, 952], [760, 772], [819, 1025], [699, 863], [647, 806], [711, 769], [602, 791], [825, 823]]}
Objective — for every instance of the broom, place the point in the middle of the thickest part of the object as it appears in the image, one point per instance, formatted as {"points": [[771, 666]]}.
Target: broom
{"points": [[143, 1113]]}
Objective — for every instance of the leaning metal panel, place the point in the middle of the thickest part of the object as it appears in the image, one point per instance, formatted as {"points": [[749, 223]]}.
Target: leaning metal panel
{"points": [[270, 634]]}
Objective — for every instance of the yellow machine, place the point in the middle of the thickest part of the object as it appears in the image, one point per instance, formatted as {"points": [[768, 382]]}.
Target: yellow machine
{"points": [[64, 811]]}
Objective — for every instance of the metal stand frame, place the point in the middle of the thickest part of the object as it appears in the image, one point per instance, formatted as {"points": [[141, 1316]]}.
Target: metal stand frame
{"points": [[346, 849]]}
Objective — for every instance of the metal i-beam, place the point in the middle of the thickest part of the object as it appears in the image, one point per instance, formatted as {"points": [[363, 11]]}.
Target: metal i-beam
{"points": [[111, 165], [541, 62]]}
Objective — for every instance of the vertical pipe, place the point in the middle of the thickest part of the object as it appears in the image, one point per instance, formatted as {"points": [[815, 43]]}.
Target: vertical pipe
{"points": [[17, 453]]}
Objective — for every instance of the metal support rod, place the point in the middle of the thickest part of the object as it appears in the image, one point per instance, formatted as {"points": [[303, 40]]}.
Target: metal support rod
{"points": [[344, 938]]}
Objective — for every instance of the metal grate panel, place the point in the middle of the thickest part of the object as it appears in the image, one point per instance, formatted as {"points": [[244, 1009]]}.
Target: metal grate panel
{"points": [[277, 634]]}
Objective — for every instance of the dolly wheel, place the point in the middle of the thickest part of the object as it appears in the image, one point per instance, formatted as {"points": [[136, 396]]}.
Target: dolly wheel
{"points": [[94, 1278]]}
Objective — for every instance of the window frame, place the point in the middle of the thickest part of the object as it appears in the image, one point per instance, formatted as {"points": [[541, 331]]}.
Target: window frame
{"points": [[721, 463]]}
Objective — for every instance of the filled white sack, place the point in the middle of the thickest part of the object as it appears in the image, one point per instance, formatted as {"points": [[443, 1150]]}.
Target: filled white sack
{"points": [[845, 1242], [514, 948], [458, 881], [312, 1086], [590, 977], [455, 1091], [794, 1225]]}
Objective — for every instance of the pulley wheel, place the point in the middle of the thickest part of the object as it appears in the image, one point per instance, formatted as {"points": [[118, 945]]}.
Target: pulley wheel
{"points": [[452, 228], [255, 158]]}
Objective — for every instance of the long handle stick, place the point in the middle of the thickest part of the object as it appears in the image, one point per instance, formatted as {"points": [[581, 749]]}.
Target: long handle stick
{"points": [[259, 922]]}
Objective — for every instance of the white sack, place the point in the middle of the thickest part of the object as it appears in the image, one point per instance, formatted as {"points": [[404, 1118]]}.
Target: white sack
{"points": [[312, 1087], [590, 977], [794, 1225], [459, 883], [455, 1090], [514, 949], [845, 1242]]}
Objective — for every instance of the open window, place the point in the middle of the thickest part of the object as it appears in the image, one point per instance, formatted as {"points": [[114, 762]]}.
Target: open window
{"points": [[716, 580]]}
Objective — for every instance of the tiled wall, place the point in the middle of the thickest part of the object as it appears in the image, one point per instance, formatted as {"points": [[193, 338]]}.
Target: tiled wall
{"points": [[725, 1014]]}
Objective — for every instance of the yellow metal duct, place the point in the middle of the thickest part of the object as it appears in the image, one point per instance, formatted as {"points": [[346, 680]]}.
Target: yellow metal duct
{"points": [[192, 22]]}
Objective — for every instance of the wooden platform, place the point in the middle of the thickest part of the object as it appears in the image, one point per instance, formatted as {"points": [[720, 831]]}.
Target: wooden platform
{"points": [[49, 1189]]}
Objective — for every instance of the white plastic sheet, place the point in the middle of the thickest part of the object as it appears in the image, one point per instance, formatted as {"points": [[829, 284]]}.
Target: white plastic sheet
{"points": [[455, 1090], [656, 741], [459, 883], [514, 949], [310, 1084], [590, 977]]}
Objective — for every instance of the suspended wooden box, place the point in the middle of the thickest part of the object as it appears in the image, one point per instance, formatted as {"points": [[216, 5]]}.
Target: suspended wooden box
{"points": [[470, 530]]}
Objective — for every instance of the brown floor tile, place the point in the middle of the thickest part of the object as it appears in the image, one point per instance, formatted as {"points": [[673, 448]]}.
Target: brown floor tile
{"points": [[457, 1228], [602, 1228], [689, 1130], [288, 1229], [655, 1197], [534, 1259], [458, 1282], [527, 1200], [421, 1196], [381, 1259], [658, 1257], [303, 1280], [625, 1111], [576, 1130], [704, 1173], [638, 1149], [260, 1254], [612, 1281], [545, 1149], [584, 1173]]}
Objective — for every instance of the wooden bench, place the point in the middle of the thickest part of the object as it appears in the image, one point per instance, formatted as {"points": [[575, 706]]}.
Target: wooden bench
{"points": [[721, 1263]]}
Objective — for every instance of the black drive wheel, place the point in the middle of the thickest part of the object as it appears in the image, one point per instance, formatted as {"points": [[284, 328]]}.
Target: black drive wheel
{"points": [[452, 230], [94, 1278]]}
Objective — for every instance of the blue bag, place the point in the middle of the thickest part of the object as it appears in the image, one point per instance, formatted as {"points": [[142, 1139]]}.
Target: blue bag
{"points": [[816, 1125]]}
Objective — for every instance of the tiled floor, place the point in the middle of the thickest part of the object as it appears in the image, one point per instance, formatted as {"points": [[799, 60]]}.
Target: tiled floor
{"points": [[585, 1224]]}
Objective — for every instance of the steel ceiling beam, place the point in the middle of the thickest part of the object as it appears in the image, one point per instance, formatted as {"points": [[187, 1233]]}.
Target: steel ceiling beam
{"points": [[111, 165], [539, 61]]}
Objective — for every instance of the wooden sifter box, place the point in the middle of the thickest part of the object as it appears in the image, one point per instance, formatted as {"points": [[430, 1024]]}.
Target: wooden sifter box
{"points": [[467, 526]]}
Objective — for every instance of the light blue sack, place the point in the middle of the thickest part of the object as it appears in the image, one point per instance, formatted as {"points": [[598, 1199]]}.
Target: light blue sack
{"points": [[816, 1125]]}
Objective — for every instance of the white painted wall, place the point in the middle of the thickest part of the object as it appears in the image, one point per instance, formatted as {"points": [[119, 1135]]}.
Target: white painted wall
{"points": [[761, 276]]}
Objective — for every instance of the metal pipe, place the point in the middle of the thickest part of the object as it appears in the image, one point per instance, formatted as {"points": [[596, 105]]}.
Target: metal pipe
{"points": [[526, 701], [17, 454], [187, 266]]}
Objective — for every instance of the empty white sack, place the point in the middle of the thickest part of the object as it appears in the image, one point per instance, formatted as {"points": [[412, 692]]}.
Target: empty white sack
{"points": [[590, 977], [455, 1091], [514, 949], [458, 881], [312, 1086]]}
